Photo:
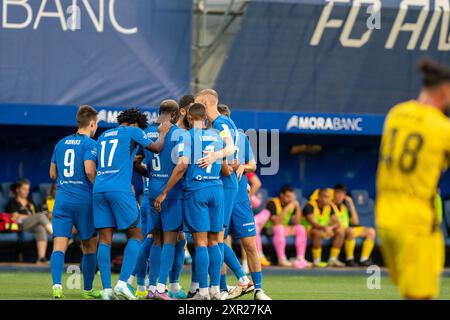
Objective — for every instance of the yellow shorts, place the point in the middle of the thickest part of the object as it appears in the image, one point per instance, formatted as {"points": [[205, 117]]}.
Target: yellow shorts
{"points": [[415, 261], [357, 231]]}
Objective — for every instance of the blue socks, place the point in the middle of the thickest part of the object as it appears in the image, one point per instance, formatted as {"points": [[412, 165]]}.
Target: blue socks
{"points": [[57, 266], [155, 262], [223, 282], [129, 259], [174, 275], [257, 279], [167, 258], [215, 264], [140, 270], [104, 264], [201, 264], [88, 266], [194, 275], [232, 262]]}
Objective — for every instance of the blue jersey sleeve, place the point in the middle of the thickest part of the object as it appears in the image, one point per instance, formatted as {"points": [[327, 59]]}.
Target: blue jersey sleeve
{"points": [[90, 151], [139, 136]]}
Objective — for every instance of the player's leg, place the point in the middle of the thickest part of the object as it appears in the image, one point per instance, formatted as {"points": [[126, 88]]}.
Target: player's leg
{"points": [[336, 245], [175, 290], [215, 264], [301, 240], [201, 264], [279, 242], [104, 262], [349, 247], [167, 260], [89, 267], [316, 237], [57, 265], [154, 261], [134, 243], [62, 225], [369, 235], [104, 222], [140, 269], [84, 224], [244, 261], [126, 214], [228, 255], [260, 221]]}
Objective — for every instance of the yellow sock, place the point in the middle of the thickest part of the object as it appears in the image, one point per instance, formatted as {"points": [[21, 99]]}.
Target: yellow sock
{"points": [[317, 254], [367, 249], [350, 249], [334, 254]]}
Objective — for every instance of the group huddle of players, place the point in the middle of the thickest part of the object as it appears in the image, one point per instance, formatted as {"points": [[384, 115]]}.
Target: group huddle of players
{"points": [[193, 161]]}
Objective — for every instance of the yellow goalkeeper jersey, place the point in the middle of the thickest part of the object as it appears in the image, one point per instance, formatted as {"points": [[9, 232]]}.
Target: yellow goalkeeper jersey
{"points": [[414, 152]]}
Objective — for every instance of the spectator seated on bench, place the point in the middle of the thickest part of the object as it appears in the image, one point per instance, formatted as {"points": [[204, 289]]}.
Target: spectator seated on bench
{"points": [[24, 210]]}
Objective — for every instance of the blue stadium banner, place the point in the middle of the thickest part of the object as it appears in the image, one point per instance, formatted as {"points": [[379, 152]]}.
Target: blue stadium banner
{"points": [[100, 52], [285, 122], [341, 56]]}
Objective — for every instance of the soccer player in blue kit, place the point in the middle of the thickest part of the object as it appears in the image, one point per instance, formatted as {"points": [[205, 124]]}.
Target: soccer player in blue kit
{"points": [[141, 267], [242, 221], [228, 131], [115, 206], [74, 169], [168, 222], [203, 196]]}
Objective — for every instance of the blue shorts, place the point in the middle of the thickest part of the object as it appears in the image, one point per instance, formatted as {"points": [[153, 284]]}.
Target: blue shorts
{"points": [[144, 211], [204, 210], [171, 216], [242, 221], [230, 196], [66, 215], [115, 209]]}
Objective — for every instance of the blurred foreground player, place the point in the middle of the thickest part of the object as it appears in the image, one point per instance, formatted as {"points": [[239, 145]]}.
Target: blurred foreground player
{"points": [[73, 166], [115, 205], [414, 152]]}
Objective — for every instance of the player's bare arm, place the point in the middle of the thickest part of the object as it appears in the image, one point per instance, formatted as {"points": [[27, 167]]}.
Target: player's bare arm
{"points": [[53, 171], [212, 156], [90, 170], [227, 169], [138, 167], [177, 174], [354, 219], [244, 168], [163, 129]]}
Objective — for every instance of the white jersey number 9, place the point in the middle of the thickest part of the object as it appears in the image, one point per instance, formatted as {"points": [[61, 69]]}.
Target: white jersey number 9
{"points": [[69, 163]]}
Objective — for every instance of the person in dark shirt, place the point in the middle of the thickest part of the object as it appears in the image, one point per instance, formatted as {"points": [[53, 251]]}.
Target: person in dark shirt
{"points": [[24, 210]]}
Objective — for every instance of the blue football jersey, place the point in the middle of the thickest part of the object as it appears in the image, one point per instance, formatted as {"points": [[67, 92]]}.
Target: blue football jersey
{"points": [[69, 155], [162, 165], [244, 154], [226, 127], [116, 149], [192, 145]]}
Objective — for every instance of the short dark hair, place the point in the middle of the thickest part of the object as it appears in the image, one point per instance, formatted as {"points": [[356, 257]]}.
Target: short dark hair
{"points": [[433, 73], [85, 115], [186, 100], [132, 116], [168, 106], [19, 183], [197, 111], [224, 109], [286, 188], [340, 187]]}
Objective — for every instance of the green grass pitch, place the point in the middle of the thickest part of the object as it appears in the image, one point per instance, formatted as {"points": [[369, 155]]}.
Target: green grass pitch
{"points": [[29, 285]]}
